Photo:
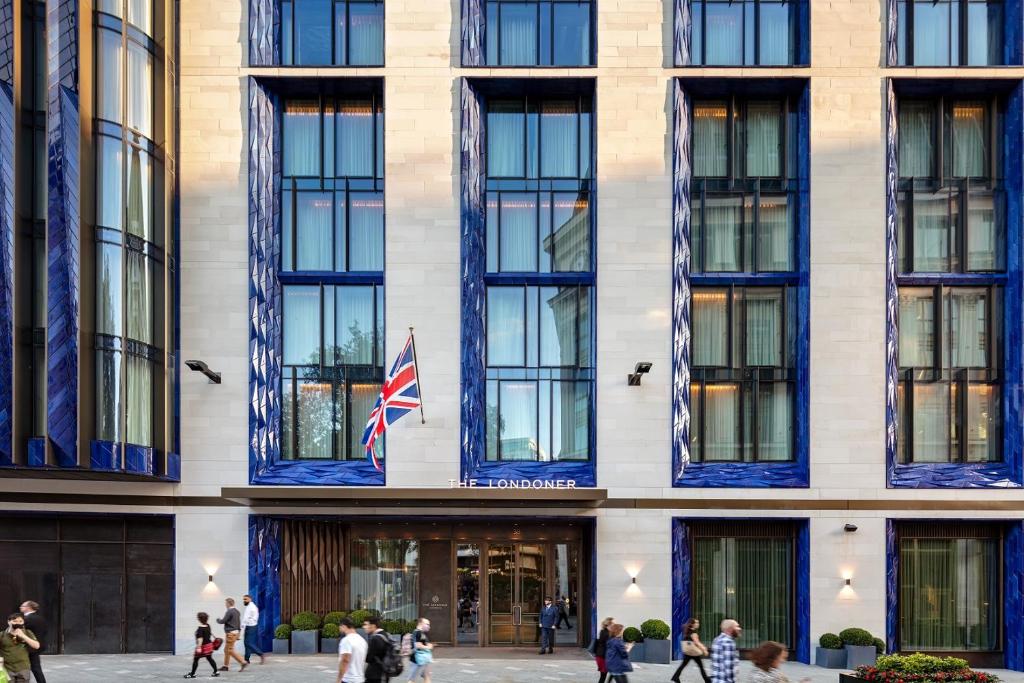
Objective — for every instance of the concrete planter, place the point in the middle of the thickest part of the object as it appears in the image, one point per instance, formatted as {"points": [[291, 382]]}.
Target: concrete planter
{"points": [[282, 646], [329, 646], [657, 652], [830, 658], [860, 655], [847, 678], [636, 654], [305, 642]]}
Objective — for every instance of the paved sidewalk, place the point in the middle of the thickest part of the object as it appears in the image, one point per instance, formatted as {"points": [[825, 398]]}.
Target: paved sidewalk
{"points": [[300, 669]]}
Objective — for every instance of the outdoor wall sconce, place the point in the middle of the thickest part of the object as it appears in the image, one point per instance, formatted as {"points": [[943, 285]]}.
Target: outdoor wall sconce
{"points": [[210, 579], [849, 581], [642, 368], [634, 581], [849, 528], [200, 366]]}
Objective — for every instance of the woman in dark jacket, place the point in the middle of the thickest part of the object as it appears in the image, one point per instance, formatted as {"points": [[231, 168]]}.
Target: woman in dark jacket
{"points": [[204, 645], [601, 647], [691, 647], [616, 656]]}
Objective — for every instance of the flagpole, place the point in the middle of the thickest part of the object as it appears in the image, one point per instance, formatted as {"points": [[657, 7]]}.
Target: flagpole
{"points": [[416, 363]]}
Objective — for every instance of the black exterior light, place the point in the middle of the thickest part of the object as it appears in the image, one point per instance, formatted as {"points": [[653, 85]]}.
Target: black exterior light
{"points": [[849, 528], [642, 368], [200, 366]]}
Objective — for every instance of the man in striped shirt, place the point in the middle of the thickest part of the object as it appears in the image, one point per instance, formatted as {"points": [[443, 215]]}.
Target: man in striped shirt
{"points": [[725, 658]]}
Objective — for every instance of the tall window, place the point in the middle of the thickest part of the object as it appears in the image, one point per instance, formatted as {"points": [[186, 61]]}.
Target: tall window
{"points": [[743, 221], [129, 237], [540, 356], [744, 572], [539, 32], [385, 577], [332, 262], [744, 32], [951, 252], [950, 32], [949, 588], [338, 32]]}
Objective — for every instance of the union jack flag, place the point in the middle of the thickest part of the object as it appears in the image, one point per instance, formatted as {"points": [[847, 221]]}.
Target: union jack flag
{"points": [[399, 395]]}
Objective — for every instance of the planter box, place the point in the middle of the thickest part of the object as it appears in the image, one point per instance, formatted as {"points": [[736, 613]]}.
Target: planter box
{"points": [[636, 654], [860, 655], [847, 678], [830, 658], [281, 646], [305, 642], [329, 646], [657, 651]]}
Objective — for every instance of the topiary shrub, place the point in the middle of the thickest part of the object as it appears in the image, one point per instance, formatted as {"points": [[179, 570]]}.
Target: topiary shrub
{"points": [[920, 664], [856, 636], [410, 626], [655, 629], [306, 621], [879, 646], [330, 631], [919, 668], [632, 635], [830, 641], [283, 632], [334, 617], [359, 616]]}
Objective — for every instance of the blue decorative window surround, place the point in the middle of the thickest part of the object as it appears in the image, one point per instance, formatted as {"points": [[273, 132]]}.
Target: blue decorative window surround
{"points": [[764, 474], [749, 33], [7, 231], [954, 32], [266, 464], [477, 277], [535, 33], [682, 574], [1005, 472], [1012, 587]]}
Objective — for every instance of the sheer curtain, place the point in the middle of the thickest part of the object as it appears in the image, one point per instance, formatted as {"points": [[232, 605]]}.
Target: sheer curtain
{"points": [[314, 230], [366, 231], [140, 89], [506, 326], [933, 42], [571, 43], [982, 415], [721, 422], [364, 397], [518, 232], [710, 328], [139, 429], [984, 231], [774, 235], [775, 421], [355, 138], [761, 586], [506, 139], [933, 220], [518, 420], [518, 33], [774, 32], [968, 328], [931, 422], [301, 138], [764, 139], [301, 328], [969, 144], [558, 133], [724, 35], [917, 149], [764, 327], [710, 139], [916, 327], [723, 221], [139, 283], [140, 192], [366, 33], [355, 322]]}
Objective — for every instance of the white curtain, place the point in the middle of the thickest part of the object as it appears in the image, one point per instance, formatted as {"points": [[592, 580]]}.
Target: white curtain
{"points": [[518, 34], [710, 139], [710, 328], [506, 326], [301, 132], [764, 327], [917, 327], [301, 326], [355, 325], [931, 422], [969, 145], [506, 139], [139, 429], [140, 194], [355, 138], [366, 33], [774, 33], [140, 298], [724, 38], [932, 222], [982, 418], [933, 43], [721, 422], [984, 232], [775, 421], [723, 221], [366, 231], [775, 238], [558, 139], [518, 238], [916, 139], [968, 328], [519, 434], [764, 139], [314, 230], [140, 14]]}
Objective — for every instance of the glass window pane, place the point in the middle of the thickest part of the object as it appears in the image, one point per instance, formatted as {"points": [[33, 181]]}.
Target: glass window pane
{"points": [[985, 235], [775, 33], [312, 36], [710, 328], [518, 34], [492, 420], [917, 328], [355, 138], [364, 397], [933, 44], [775, 421], [109, 76], [724, 33], [968, 328], [984, 33], [139, 289], [903, 28], [366, 231], [140, 194], [355, 326], [570, 420], [109, 182], [569, 242], [710, 139], [140, 89], [723, 225], [775, 234], [366, 33], [696, 453], [140, 14], [558, 326], [505, 139], [721, 422], [517, 249], [287, 415], [114, 7], [933, 223], [108, 289], [315, 418], [559, 143], [764, 327], [385, 578], [518, 421], [571, 33], [931, 422], [970, 144], [506, 326], [916, 139], [301, 325], [139, 421], [983, 413], [764, 139], [314, 228], [108, 396], [301, 132]]}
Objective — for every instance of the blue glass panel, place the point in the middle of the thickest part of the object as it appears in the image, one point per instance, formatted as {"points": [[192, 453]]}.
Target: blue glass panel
{"points": [[697, 32], [356, 333], [935, 26], [518, 34], [559, 151], [313, 230], [506, 326], [301, 325], [517, 421], [312, 37], [505, 140], [366, 33], [775, 33], [301, 138], [492, 33], [984, 33], [724, 33], [287, 29], [366, 231], [356, 151], [571, 34]]}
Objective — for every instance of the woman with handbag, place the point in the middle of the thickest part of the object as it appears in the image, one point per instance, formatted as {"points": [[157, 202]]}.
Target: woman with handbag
{"points": [[692, 649], [422, 652], [601, 649], [204, 646]]}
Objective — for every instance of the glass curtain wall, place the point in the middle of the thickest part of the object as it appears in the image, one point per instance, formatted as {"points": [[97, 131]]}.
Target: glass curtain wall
{"points": [[743, 222], [332, 207], [952, 228], [129, 232], [744, 32], [385, 577], [332, 32], [950, 32], [539, 224], [539, 32]]}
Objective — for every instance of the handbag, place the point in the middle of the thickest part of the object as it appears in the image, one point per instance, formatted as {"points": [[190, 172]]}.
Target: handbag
{"points": [[217, 642], [692, 649], [423, 656], [205, 649]]}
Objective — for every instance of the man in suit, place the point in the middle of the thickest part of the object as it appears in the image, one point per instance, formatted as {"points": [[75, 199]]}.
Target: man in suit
{"points": [[548, 619], [35, 623]]}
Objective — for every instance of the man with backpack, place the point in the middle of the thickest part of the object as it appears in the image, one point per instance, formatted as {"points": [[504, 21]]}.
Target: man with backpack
{"points": [[383, 659]]}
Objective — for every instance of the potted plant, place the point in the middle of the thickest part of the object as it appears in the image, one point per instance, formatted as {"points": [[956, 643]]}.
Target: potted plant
{"points": [[305, 631], [918, 668], [657, 649], [633, 635], [358, 617], [282, 635], [334, 618], [330, 637], [879, 646], [859, 646], [830, 653]]}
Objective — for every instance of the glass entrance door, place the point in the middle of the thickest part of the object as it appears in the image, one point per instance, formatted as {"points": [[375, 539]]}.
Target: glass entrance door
{"points": [[517, 576]]}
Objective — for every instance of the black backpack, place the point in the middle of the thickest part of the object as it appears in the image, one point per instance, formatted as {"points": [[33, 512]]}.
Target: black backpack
{"points": [[391, 662]]}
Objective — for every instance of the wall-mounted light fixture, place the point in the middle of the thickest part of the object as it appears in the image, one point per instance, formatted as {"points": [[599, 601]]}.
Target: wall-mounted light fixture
{"points": [[642, 368], [200, 366], [210, 579], [849, 528], [634, 581], [849, 581]]}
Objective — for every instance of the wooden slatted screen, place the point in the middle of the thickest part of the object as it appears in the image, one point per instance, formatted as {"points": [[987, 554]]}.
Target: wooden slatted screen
{"points": [[312, 567]]}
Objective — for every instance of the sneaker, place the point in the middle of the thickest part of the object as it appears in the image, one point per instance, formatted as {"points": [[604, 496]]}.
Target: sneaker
{"points": [[189, 676], [243, 667], [223, 668], [215, 674]]}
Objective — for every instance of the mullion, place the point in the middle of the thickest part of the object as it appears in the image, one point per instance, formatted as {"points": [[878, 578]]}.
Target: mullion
{"points": [[961, 38], [757, 33]]}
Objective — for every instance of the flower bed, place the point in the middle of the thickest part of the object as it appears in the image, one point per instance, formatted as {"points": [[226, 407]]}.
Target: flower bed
{"points": [[919, 668]]}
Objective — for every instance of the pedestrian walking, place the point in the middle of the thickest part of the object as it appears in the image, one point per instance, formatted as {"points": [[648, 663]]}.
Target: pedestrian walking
{"points": [[377, 650], [548, 618], [767, 659], [35, 623], [617, 655], [693, 650], [725, 658], [422, 651], [16, 642], [563, 613], [601, 649], [351, 654], [232, 622], [250, 635], [204, 646]]}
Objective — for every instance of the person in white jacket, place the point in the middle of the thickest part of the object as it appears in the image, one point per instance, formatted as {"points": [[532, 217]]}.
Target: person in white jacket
{"points": [[250, 619]]}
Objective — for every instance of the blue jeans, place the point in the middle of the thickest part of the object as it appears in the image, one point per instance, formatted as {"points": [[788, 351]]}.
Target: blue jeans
{"points": [[251, 640], [547, 638]]}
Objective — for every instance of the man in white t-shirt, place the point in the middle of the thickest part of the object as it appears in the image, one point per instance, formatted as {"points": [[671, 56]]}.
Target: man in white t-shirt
{"points": [[351, 654]]}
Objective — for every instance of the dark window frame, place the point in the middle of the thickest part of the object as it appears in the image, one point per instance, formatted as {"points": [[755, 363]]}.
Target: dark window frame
{"points": [[283, 7], [905, 34], [795, 34], [538, 42]]}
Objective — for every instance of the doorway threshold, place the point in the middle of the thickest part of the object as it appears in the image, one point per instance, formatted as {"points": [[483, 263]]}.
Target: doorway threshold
{"points": [[491, 652]]}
